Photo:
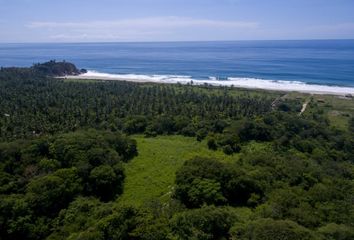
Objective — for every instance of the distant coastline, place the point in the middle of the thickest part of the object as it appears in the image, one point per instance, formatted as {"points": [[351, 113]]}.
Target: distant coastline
{"points": [[317, 62], [248, 83]]}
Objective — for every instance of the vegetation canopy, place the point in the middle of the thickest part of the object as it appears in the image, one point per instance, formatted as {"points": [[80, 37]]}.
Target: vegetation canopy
{"points": [[120, 160]]}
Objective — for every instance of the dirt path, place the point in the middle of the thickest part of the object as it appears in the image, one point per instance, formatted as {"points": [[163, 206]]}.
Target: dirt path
{"points": [[304, 106]]}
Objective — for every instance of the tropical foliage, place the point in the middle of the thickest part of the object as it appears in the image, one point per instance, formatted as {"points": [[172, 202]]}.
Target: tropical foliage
{"points": [[65, 145]]}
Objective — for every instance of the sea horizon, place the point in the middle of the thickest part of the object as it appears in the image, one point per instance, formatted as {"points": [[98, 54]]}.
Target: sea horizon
{"points": [[180, 41]]}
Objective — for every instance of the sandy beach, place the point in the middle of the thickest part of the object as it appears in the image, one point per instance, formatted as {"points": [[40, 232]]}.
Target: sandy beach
{"points": [[248, 83]]}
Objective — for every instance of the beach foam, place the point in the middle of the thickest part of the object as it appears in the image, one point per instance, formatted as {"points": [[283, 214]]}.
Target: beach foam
{"points": [[139, 77], [231, 81]]}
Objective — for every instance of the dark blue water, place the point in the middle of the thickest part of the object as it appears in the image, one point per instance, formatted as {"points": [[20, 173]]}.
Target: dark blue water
{"points": [[325, 62]]}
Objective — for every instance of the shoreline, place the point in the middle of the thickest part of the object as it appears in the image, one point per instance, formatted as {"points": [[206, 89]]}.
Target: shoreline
{"points": [[244, 83]]}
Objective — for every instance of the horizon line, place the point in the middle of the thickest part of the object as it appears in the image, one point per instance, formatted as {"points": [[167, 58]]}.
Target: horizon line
{"points": [[185, 41]]}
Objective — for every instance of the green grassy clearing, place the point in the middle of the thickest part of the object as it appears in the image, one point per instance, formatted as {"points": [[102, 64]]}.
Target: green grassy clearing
{"points": [[151, 175], [339, 110]]}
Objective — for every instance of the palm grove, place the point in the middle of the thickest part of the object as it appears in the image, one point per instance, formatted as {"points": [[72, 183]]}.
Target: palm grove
{"points": [[64, 145]]}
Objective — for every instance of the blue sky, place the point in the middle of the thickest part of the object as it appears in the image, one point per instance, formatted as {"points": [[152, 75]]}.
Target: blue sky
{"points": [[174, 20]]}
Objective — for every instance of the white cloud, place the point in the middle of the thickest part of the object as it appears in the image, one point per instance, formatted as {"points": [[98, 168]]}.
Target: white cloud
{"points": [[157, 28], [159, 22]]}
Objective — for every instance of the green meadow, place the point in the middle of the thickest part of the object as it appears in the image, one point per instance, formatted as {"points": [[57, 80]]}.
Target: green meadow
{"points": [[151, 174]]}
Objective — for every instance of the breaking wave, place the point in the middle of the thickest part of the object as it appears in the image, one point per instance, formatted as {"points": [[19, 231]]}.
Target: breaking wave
{"points": [[279, 85]]}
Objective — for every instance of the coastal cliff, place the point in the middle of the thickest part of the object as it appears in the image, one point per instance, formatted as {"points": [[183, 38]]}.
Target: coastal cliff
{"points": [[58, 69]]}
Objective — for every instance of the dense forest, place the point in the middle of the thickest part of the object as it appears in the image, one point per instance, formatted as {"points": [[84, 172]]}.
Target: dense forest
{"points": [[35, 105], [65, 145]]}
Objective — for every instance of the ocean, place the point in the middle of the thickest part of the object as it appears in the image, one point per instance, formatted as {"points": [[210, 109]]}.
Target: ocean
{"points": [[311, 65]]}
